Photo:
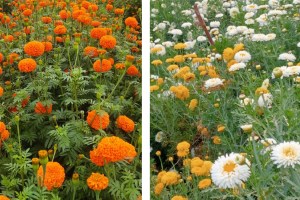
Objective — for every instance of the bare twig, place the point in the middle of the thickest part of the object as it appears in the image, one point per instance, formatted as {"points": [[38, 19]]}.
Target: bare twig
{"points": [[201, 22]]}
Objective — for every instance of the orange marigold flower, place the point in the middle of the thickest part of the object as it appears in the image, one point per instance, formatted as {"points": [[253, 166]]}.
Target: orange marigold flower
{"points": [[85, 4], [34, 48], [5, 135], [1, 57], [2, 127], [95, 23], [60, 30], [28, 30], [91, 51], [125, 123], [27, 65], [109, 7], [133, 71], [120, 66], [1, 91], [12, 57], [112, 149], [108, 42], [54, 176], [2, 197], [64, 14], [48, 46], [8, 38], [27, 12], [98, 33], [119, 11], [98, 121], [46, 20], [97, 182], [103, 65], [131, 22], [41, 109], [59, 39]]}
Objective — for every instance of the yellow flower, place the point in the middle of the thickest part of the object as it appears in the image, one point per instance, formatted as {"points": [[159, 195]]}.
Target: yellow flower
{"points": [[172, 67], [204, 183], [189, 76], [183, 149], [216, 140], [158, 188], [160, 81], [221, 128], [180, 91], [169, 60], [179, 46], [238, 47], [261, 90], [170, 178], [177, 197], [154, 88], [196, 162], [193, 104], [160, 175], [156, 62], [228, 54], [179, 59], [182, 71]]}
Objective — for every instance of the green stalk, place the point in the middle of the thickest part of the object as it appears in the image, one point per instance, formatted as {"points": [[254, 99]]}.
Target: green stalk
{"points": [[120, 79], [97, 195]]}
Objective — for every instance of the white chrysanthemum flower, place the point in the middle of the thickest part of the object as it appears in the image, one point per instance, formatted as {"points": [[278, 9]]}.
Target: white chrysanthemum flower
{"points": [[234, 12], [247, 128], [241, 29], [154, 11], [186, 12], [236, 67], [161, 51], [259, 37], [298, 44], [242, 56], [286, 154], [159, 27], [270, 36], [251, 8], [262, 20], [214, 24], [186, 25], [157, 40], [168, 43], [226, 5], [247, 101], [277, 12], [268, 144], [265, 100], [249, 15], [213, 82], [159, 136], [273, 3], [286, 6], [263, 7], [219, 15], [201, 38], [226, 172], [175, 32], [249, 31], [249, 21], [190, 44], [296, 2], [291, 71], [287, 56]]}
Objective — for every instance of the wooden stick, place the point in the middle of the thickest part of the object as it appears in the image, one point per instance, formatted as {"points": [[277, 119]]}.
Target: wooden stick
{"points": [[203, 25]]}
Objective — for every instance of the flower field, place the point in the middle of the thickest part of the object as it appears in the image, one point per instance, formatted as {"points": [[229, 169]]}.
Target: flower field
{"points": [[225, 103], [70, 91]]}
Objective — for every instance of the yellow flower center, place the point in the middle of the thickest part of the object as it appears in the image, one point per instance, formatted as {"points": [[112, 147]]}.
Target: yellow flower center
{"points": [[289, 152], [229, 166]]}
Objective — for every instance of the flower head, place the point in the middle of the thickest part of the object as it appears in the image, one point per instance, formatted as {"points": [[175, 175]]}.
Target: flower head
{"points": [[54, 176], [103, 65], [131, 22], [125, 123], [98, 121], [34, 48], [108, 42], [112, 149], [27, 65], [226, 172], [97, 182], [286, 154]]}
